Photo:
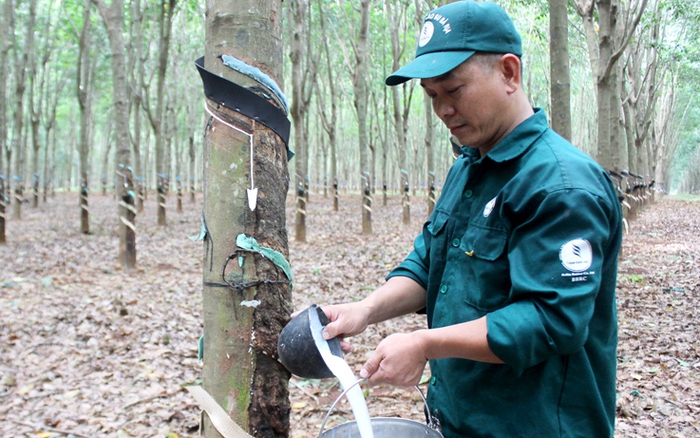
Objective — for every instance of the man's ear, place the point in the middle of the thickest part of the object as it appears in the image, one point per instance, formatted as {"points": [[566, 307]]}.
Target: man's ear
{"points": [[511, 70]]}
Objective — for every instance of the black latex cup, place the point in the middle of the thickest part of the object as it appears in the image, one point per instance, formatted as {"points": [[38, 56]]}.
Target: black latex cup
{"points": [[297, 350]]}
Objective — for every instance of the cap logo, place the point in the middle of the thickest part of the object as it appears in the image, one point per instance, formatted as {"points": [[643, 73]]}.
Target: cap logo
{"points": [[426, 33], [442, 20], [576, 255]]}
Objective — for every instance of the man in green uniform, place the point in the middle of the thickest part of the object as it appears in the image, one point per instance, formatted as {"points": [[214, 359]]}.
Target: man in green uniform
{"points": [[516, 267]]}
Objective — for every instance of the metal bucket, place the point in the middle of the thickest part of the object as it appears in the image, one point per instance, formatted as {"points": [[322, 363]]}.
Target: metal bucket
{"points": [[384, 427]]}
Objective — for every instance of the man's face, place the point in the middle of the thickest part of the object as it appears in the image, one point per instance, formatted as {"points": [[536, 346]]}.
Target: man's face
{"points": [[471, 100]]}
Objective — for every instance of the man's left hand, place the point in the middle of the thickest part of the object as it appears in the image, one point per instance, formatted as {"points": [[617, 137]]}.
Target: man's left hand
{"points": [[398, 360]]}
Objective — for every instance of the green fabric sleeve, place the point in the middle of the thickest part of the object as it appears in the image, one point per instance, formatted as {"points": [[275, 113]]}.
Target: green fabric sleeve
{"points": [[551, 307]]}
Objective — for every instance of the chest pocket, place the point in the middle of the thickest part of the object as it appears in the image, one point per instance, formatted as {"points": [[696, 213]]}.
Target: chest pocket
{"points": [[484, 243], [438, 223], [486, 274]]}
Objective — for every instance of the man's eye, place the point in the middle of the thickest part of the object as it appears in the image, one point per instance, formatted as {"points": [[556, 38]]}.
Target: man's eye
{"points": [[453, 90]]}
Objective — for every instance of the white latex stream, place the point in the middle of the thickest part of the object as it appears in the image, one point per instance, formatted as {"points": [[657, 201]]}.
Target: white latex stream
{"points": [[342, 371]]}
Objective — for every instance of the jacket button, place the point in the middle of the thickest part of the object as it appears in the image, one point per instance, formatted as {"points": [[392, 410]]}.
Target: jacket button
{"points": [[433, 380], [443, 288], [468, 193], [456, 242]]}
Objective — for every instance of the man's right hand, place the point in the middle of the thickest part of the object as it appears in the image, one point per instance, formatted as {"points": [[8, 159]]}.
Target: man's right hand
{"points": [[346, 320]]}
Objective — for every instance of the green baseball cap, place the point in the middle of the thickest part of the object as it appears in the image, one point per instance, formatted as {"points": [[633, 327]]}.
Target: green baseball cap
{"points": [[452, 33]]}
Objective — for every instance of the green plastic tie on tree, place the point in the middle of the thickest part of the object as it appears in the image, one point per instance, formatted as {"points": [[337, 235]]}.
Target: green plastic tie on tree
{"points": [[250, 244]]}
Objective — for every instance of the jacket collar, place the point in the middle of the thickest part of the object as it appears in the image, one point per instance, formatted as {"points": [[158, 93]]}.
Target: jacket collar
{"points": [[516, 142]]}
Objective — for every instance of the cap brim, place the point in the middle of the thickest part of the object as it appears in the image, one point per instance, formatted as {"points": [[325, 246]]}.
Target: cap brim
{"points": [[429, 65]]}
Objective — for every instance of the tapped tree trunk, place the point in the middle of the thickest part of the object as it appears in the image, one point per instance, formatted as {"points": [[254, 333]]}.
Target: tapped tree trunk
{"points": [[84, 86], [113, 17], [246, 297], [559, 68], [303, 79], [360, 100], [191, 158], [157, 119], [4, 52], [298, 11], [137, 74], [105, 160], [429, 151], [606, 44], [22, 66], [400, 113], [36, 146], [330, 122], [429, 138]]}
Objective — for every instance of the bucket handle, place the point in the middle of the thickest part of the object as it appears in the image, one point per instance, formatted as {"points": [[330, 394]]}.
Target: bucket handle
{"points": [[433, 422]]}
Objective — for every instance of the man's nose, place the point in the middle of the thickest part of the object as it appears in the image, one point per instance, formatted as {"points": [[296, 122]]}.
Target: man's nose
{"points": [[444, 109]]}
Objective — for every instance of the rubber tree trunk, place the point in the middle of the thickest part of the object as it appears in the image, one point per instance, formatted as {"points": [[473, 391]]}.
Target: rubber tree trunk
{"points": [[84, 206], [191, 166], [246, 297], [429, 151], [303, 79], [360, 100], [23, 66], [3, 239], [84, 89], [35, 161], [559, 68], [137, 68], [113, 17], [330, 122], [429, 138], [4, 49], [400, 116], [158, 116]]}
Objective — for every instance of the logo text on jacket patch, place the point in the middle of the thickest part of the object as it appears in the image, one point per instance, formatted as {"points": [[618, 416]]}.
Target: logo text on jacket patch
{"points": [[577, 256]]}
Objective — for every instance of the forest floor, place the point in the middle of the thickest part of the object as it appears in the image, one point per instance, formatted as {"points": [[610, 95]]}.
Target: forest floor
{"points": [[88, 350]]}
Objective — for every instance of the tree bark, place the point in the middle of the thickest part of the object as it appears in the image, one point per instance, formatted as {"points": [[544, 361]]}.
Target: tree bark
{"points": [[137, 72], [605, 47], [298, 10], [559, 68], [105, 156], [49, 121], [113, 18], [156, 116], [191, 155], [22, 64], [429, 138], [304, 68], [400, 112], [330, 123], [35, 122], [5, 19], [242, 319], [84, 89], [192, 129], [361, 95]]}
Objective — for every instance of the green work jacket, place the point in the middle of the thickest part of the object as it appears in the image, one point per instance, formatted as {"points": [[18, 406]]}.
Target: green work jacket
{"points": [[527, 235]]}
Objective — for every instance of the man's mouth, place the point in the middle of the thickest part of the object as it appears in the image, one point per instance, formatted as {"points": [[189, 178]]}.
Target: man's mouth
{"points": [[455, 128]]}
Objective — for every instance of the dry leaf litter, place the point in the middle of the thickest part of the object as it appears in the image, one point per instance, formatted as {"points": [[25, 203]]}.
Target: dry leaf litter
{"points": [[88, 350]]}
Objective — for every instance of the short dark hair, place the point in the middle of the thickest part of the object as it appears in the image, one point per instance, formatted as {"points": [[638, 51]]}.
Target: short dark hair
{"points": [[488, 60]]}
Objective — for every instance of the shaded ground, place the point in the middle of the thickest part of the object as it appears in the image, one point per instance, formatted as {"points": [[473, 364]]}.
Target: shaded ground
{"points": [[90, 351]]}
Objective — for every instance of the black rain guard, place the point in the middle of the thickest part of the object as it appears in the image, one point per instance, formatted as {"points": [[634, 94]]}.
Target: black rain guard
{"points": [[244, 101]]}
